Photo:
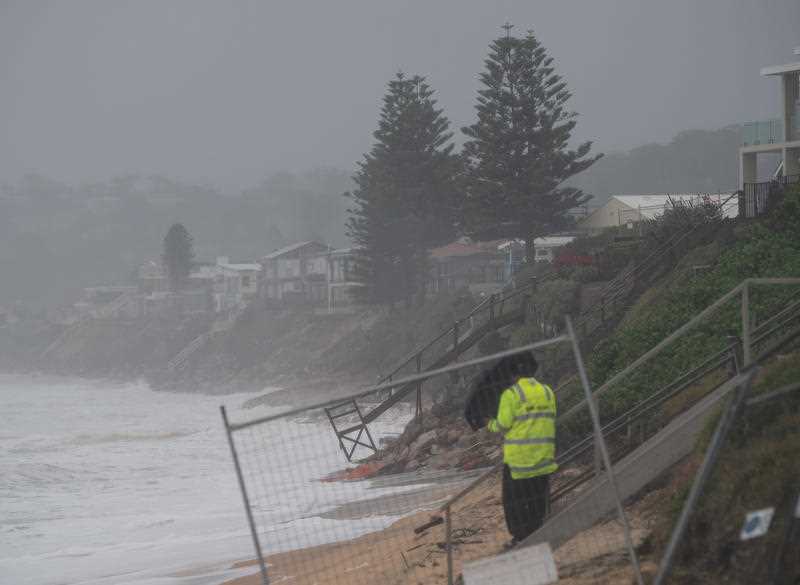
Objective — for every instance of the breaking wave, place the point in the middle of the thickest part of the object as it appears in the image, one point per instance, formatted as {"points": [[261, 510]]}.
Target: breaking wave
{"points": [[89, 439]]}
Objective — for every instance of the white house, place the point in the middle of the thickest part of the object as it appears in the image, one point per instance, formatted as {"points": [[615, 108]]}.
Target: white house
{"points": [[340, 280], [218, 286], [544, 249], [622, 210], [229, 285], [247, 275]]}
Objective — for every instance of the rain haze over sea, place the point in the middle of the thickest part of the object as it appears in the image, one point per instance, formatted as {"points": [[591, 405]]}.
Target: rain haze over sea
{"points": [[107, 483]]}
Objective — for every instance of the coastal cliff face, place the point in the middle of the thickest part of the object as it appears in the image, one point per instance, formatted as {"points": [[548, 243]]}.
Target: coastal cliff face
{"points": [[97, 348], [262, 347]]}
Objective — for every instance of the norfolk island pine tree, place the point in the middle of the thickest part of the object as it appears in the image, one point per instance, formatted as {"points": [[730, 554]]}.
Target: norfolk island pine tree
{"points": [[405, 198], [517, 152]]}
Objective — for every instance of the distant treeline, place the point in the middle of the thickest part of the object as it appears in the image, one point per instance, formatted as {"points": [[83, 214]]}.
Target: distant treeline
{"points": [[695, 161], [56, 239]]}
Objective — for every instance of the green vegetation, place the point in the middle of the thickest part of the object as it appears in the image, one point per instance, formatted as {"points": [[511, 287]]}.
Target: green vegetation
{"points": [[758, 468], [413, 193], [765, 248]]}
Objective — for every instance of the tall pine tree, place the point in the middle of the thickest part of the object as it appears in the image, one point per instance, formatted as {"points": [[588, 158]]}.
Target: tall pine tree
{"points": [[403, 203], [178, 255], [518, 151]]}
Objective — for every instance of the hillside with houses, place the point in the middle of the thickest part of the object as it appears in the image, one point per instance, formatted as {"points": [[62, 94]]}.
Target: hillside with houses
{"points": [[252, 322]]}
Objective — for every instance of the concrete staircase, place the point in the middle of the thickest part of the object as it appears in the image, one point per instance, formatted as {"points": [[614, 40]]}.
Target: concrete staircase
{"points": [[221, 325]]}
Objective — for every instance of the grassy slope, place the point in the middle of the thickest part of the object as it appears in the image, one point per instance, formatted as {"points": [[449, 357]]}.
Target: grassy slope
{"points": [[767, 248], [759, 467]]}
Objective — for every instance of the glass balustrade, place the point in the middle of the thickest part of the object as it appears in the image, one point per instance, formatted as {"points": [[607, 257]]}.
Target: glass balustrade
{"points": [[763, 132]]}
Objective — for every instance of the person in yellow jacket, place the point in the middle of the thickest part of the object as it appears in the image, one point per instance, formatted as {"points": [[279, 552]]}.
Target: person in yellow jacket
{"points": [[526, 416]]}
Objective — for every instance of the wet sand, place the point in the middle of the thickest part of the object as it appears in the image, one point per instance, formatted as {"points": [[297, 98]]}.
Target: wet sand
{"points": [[385, 556], [398, 556]]}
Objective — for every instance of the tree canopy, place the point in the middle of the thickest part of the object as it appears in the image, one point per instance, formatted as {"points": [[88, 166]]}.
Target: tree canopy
{"points": [[518, 151], [178, 255], [404, 201]]}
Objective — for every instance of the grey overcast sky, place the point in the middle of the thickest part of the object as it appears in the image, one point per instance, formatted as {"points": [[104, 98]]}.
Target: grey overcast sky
{"points": [[229, 91]]}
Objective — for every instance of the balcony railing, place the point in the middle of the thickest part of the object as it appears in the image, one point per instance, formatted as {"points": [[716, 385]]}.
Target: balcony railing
{"points": [[763, 132]]}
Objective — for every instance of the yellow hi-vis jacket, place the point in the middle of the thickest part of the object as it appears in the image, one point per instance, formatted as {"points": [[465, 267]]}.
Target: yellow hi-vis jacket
{"points": [[527, 418]]}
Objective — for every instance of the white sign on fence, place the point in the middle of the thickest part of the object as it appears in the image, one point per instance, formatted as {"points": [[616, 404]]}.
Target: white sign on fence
{"points": [[756, 523], [532, 565]]}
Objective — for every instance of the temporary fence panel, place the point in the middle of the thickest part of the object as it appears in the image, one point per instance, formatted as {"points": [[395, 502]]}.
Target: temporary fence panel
{"points": [[316, 519], [740, 523]]}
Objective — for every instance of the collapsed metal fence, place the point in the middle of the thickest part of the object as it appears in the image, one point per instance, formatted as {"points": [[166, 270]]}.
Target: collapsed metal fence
{"points": [[315, 519]]}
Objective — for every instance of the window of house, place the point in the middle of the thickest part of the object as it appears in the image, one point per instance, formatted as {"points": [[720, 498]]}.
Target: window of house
{"points": [[246, 280]]}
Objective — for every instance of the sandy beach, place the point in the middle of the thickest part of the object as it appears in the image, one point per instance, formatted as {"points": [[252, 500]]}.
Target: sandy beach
{"points": [[398, 556]]}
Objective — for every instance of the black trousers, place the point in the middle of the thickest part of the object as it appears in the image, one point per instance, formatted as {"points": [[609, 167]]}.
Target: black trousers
{"points": [[525, 503]]}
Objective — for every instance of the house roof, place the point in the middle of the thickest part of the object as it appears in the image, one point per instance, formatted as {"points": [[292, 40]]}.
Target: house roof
{"points": [[243, 267], [552, 241], [342, 251], [780, 69], [292, 248], [505, 244], [455, 249]]}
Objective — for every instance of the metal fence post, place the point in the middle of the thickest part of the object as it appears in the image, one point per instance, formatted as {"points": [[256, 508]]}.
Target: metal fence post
{"points": [[746, 323], [603, 451], [448, 529], [251, 521], [419, 388], [724, 425]]}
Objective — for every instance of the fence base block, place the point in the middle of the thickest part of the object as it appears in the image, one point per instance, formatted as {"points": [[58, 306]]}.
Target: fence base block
{"points": [[529, 566]]}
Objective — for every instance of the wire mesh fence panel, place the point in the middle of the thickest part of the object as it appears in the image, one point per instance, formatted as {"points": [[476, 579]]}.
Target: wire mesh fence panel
{"points": [[317, 520], [374, 504], [360, 491], [744, 526], [533, 496]]}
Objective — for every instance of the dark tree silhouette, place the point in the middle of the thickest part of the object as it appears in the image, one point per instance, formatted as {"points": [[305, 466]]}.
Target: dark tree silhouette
{"points": [[178, 255], [403, 203], [518, 150]]}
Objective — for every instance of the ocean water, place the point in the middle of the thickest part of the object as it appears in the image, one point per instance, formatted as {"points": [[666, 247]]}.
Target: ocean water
{"points": [[114, 483]]}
